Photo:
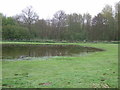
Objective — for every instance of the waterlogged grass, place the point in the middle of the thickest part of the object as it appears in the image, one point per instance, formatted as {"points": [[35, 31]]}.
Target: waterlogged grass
{"points": [[93, 70]]}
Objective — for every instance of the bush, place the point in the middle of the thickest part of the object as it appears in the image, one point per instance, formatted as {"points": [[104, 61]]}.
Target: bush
{"points": [[13, 32]]}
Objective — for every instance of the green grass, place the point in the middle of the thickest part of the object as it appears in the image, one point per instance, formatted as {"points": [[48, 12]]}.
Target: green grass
{"points": [[0, 74], [94, 70]]}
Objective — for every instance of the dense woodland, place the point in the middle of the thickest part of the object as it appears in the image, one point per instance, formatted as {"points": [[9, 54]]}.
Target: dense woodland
{"points": [[69, 27]]}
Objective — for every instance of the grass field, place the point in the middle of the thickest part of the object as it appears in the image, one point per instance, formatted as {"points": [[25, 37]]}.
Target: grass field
{"points": [[93, 70]]}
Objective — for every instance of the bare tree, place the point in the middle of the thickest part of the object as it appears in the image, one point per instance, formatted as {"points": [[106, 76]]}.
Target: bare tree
{"points": [[59, 22], [28, 17]]}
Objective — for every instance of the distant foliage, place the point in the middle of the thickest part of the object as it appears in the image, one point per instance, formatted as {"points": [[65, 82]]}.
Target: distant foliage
{"points": [[71, 27], [11, 30]]}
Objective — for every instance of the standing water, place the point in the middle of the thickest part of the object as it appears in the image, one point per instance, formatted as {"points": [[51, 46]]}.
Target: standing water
{"points": [[10, 51]]}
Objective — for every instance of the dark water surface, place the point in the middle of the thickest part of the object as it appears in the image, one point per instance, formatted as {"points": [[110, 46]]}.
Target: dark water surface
{"points": [[10, 51]]}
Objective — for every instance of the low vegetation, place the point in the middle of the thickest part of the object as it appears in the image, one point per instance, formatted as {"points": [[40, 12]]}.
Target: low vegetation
{"points": [[93, 70]]}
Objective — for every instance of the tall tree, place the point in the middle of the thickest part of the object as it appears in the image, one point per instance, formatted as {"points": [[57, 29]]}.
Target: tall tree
{"points": [[117, 20], [59, 22], [107, 13], [98, 26], [28, 17], [74, 27], [86, 25]]}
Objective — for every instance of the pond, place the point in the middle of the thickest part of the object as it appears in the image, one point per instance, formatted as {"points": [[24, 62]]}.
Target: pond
{"points": [[10, 51]]}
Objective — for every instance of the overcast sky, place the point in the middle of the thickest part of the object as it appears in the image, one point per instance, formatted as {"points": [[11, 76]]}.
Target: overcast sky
{"points": [[46, 8]]}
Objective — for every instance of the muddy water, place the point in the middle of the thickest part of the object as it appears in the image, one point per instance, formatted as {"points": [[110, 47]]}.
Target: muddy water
{"points": [[10, 51]]}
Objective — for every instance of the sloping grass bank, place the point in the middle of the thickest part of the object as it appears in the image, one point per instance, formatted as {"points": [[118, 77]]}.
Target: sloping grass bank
{"points": [[94, 70]]}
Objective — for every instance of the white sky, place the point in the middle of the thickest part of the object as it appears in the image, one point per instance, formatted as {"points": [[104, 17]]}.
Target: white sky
{"points": [[46, 8]]}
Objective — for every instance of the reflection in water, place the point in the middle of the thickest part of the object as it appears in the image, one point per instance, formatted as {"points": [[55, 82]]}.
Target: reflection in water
{"points": [[21, 51]]}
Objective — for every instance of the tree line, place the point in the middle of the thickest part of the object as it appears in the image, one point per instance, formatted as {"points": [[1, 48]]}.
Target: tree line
{"points": [[72, 27]]}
